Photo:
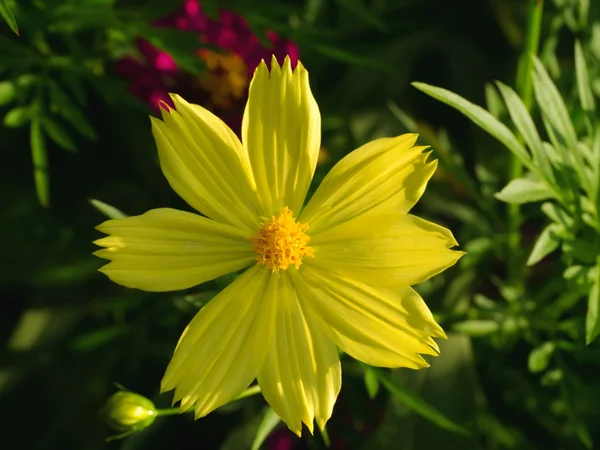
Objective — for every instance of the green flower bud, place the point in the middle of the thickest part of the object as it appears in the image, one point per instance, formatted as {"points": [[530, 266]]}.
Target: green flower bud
{"points": [[129, 412]]}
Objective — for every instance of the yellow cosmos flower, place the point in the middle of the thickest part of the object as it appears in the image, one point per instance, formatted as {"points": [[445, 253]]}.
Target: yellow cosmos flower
{"points": [[334, 273]]}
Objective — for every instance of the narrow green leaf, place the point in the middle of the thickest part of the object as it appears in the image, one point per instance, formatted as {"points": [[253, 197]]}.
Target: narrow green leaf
{"points": [[363, 13], [522, 119], [7, 92], [58, 134], [417, 404], [371, 382], [109, 211], [7, 12], [267, 425], [493, 101], [98, 338], [546, 243], [592, 319], [552, 105], [40, 163], [539, 358], [586, 97], [61, 104], [480, 117], [477, 328], [17, 117], [524, 190]]}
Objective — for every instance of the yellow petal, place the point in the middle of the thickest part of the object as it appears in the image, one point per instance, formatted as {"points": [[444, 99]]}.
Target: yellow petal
{"points": [[281, 131], [301, 377], [381, 327], [225, 344], [166, 250], [388, 249], [385, 174], [206, 164]]}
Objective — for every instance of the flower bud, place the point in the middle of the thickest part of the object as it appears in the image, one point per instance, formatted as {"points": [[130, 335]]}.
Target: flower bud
{"points": [[129, 412]]}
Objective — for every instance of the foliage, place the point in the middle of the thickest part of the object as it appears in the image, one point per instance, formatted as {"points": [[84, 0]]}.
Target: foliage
{"points": [[522, 308]]}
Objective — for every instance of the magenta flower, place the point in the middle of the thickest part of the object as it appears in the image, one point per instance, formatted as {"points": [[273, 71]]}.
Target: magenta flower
{"points": [[224, 85]]}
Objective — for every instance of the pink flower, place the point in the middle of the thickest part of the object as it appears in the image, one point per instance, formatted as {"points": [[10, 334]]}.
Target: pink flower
{"points": [[225, 83]]}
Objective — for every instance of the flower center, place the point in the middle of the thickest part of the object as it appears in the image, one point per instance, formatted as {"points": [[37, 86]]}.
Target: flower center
{"points": [[281, 242], [226, 79]]}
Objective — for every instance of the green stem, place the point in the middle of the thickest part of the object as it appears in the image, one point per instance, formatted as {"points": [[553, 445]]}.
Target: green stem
{"points": [[525, 90], [252, 390]]}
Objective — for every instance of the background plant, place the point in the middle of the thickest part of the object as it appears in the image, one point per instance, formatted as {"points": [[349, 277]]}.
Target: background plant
{"points": [[518, 370]]}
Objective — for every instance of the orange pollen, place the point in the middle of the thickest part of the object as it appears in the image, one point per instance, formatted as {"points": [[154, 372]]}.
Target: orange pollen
{"points": [[281, 242]]}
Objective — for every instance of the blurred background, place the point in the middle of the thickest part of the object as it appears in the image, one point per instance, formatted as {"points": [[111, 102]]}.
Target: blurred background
{"points": [[78, 79]]}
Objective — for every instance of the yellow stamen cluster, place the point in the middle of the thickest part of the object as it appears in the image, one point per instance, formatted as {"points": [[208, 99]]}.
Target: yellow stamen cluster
{"points": [[281, 242], [226, 79]]}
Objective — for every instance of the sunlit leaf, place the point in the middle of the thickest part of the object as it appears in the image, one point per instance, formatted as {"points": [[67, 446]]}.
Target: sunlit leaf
{"points": [[477, 328], [586, 97], [479, 117], [371, 381], [592, 320], [40, 163], [546, 243], [539, 358], [17, 117], [524, 190], [109, 211], [269, 421], [7, 12], [524, 123], [7, 92]]}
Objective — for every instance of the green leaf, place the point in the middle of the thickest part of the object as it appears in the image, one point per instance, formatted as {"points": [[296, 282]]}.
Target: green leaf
{"points": [[371, 381], [7, 12], [546, 243], [413, 401], [493, 101], [522, 119], [524, 190], [61, 104], [267, 425], [592, 319], [58, 134], [477, 328], [98, 338], [552, 105], [479, 117], [539, 358], [17, 117], [109, 211], [7, 92], [586, 97], [40, 163], [363, 13]]}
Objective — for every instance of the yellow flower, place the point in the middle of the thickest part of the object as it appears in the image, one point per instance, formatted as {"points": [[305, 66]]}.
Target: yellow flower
{"points": [[334, 273]]}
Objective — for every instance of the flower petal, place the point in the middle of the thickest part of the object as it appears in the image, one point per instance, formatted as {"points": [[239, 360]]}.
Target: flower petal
{"points": [[225, 344], [387, 249], [281, 131], [166, 250], [385, 174], [301, 377], [378, 326], [206, 164]]}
